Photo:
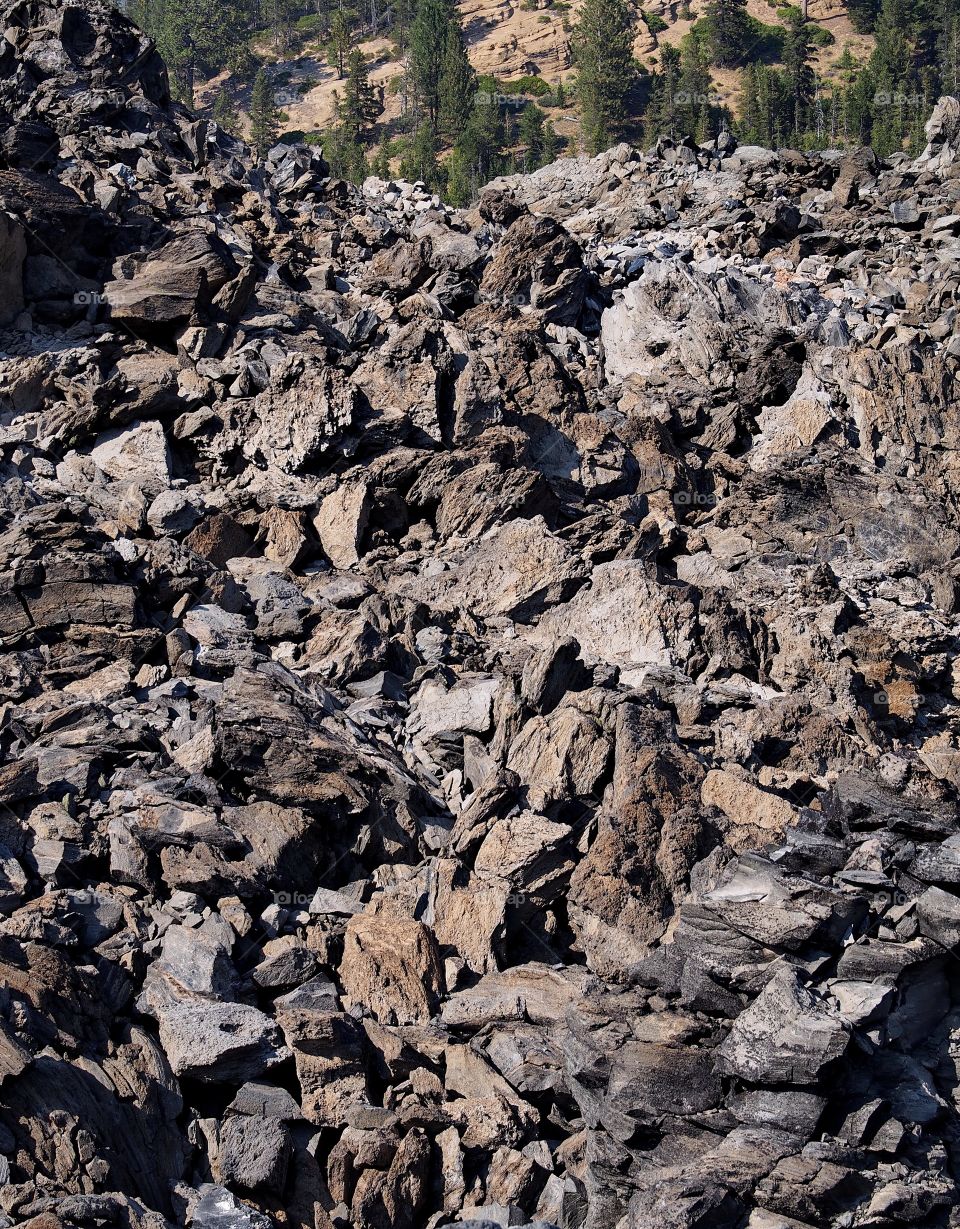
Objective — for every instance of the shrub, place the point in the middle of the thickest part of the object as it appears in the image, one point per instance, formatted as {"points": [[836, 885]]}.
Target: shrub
{"points": [[536, 87], [654, 22]]}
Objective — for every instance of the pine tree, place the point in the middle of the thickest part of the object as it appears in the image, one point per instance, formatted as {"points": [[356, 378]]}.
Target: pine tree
{"points": [[403, 12], [195, 36], [278, 16], [225, 112], [428, 52], [345, 155], [478, 155], [949, 55], [381, 163], [338, 49], [662, 112], [551, 143], [728, 31], [264, 116], [420, 162], [797, 55], [698, 115], [360, 105], [890, 70], [530, 131], [457, 87], [863, 14], [603, 46], [460, 183]]}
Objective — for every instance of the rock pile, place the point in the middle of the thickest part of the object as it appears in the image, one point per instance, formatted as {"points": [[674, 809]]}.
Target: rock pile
{"points": [[480, 708]]}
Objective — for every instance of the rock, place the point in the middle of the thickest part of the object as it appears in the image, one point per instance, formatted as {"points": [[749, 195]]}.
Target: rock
{"points": [[137, 454], [252, 1152], [340, 524], [392, 968], [480, 681], [13, 251], [220, 1042], [786, 1036]]}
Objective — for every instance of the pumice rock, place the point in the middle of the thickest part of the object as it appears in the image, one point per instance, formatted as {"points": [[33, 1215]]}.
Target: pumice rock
{"points": [[480, 735]]}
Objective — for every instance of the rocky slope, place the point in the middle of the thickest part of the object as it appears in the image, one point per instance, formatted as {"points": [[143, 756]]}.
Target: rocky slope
{"points": [[480, 729]]}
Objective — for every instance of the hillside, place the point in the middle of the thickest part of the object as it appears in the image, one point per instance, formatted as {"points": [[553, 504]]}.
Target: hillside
{"points": [[509, 39]]}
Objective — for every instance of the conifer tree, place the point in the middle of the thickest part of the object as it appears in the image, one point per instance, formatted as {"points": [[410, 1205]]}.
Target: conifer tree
{"points": [[551, 143], [530, 131], [699, 115], [381, 162], [606, 70], [264, 116], [797, 54], [863, 14], [338, 48], [420, 161], [360, 105], [194, 36], [225, 112], [428, 53], [662, 111], [729, 31], [457, 87]]}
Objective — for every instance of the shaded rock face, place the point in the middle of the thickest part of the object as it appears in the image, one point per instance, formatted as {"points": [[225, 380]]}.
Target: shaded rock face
{"points": [[480, 736]]}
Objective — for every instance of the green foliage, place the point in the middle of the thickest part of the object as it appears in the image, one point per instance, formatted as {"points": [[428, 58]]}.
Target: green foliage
{"points": [[360, 104], [683, 100], [345, 155], [225, 112], [420, 160], [654, 22], [338, 46], [603, 46], [729, 31], [310, 24], [264, 115], [535, 87], [383, 159], [457, 87], [296, 136], [428, 49], [194, 37], [863, 14]]}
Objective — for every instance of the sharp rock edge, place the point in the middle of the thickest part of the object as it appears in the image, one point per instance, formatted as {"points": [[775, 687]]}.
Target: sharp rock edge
{"points": [[479, 727]]}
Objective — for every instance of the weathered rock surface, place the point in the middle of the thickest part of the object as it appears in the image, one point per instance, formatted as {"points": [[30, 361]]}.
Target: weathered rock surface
{"points": [[480, 734]]}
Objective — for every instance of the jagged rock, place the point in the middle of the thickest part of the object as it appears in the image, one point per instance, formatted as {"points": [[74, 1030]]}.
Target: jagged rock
{"points": [[220, 1042], [392, 968], [481, 681], [786, 1036], [13, 252]]}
